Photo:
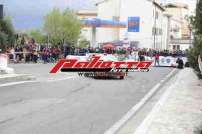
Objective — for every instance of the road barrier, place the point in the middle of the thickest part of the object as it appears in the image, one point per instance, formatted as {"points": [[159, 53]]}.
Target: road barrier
{"points": [[4, 65], [3, 61]]}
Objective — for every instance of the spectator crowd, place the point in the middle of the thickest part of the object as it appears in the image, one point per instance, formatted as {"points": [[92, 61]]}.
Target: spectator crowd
{"points": [[31, 52]]}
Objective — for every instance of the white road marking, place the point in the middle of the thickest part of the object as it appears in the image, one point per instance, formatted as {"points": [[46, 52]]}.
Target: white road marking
{"points": [[16, 83], [134, 109], [35, 81], [61, 79]]}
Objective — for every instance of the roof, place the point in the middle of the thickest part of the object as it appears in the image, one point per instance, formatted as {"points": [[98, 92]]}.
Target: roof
{"points": [[155, 3], [177, 5]]}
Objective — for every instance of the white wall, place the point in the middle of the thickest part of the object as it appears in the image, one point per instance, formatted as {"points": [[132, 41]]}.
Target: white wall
{"points": [[86, 33], [144, 9], [107, 11]]}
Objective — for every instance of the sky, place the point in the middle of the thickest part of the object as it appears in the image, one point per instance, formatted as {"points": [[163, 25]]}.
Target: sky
{"points": [[28, 14]]}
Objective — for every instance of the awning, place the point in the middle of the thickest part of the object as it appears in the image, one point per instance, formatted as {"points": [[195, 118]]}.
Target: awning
{"points": [[108, 46], [103, 23]]}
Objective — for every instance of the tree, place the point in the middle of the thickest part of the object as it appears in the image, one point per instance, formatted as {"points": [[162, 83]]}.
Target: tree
{"points": [[83, 43], [37, 35], [197, 47], [3, 41], [62, 27], [7, 34]]}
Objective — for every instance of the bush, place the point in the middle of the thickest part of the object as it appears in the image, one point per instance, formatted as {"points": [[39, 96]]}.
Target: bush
{"points": [[197, 46]]}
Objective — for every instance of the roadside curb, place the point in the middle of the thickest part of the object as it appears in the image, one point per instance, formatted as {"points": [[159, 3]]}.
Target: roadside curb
{"points": [[165, 108], [144, 126], [9, 78]]}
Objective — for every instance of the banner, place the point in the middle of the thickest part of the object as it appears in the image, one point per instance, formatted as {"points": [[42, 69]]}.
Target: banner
{"points": [[167, 61], [133, 24], [170, 61]]}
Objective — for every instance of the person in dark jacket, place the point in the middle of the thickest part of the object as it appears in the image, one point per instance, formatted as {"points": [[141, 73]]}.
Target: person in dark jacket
{"points": [[180, 63]]}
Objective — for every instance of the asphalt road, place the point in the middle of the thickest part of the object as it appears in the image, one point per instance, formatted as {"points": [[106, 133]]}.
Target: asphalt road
{"points": [[68, 104]]}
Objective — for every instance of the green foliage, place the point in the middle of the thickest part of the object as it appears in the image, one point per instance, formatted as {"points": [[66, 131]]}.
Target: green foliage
{"points": [[83, 43], [37, 35], [62, 26], [7, 35], [198, 18], [3, 41], [197, 47]]}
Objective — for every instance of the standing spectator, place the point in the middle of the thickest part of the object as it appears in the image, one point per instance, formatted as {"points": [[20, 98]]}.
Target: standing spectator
{"points": [[135, 54], [180, 63], [18, 52], [141, 56], [35, 56], [150, 53], [55, 53], [45, 55], [12, 51], [157, 59]]}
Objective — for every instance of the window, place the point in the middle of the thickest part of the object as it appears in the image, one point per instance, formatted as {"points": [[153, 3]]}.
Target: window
{"points": [[157, 31], [157, 15], [160, 32], [178, 47], [153, 31]]}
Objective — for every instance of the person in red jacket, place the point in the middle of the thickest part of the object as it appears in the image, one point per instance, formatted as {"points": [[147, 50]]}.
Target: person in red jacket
{"points": [[157, 58]]}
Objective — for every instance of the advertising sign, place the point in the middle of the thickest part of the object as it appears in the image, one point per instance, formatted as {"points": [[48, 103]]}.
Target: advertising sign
{"points": [[133, 24]]}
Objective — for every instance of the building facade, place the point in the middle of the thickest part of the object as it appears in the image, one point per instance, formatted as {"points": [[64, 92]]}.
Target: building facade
{"points": [[140, 24], [180, 32], [144, 28]]}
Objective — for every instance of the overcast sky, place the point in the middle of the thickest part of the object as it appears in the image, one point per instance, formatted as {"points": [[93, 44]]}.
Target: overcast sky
{"points": [[27, 14]]}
